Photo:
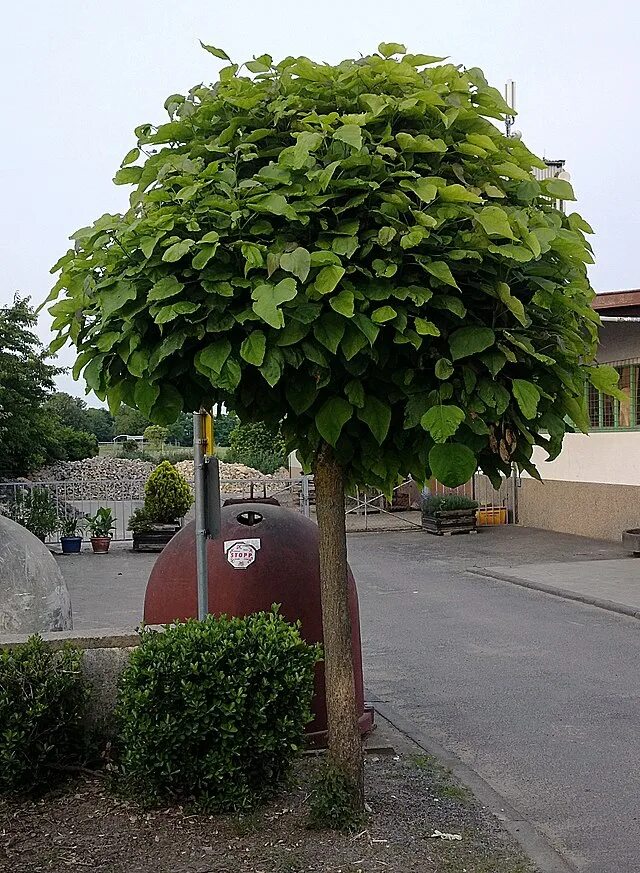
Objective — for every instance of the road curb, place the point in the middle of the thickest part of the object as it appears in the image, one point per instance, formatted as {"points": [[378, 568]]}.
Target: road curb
{"points": [[532, 842], [609, 605]]}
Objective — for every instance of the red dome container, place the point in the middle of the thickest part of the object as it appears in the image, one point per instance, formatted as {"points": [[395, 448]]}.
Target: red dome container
{"points": [[265, 554]]}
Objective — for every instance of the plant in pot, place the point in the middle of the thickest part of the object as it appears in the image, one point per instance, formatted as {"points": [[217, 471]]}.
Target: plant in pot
{"points": [[36, 510], [448, 514], [100, 526], [71, 536], [167, 499]]}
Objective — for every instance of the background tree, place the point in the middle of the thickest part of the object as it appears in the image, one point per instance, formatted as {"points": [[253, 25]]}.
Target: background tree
{"points": [[101, 423], [155, 434], [69, 411], [26, 378], [358, 252], [130, 421], [181, 430], [225, 423], [257, 446]]}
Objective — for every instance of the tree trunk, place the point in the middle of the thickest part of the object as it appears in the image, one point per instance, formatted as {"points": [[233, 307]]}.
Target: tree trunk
{"points": [[345, 745]]}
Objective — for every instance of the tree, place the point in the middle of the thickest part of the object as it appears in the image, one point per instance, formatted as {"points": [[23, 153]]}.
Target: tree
{"points": [[225, 423], [355, 251], [155, 434], [130, 421], [257, 446], [181, 430], [70, 411], [101, 423], [26, 378], [75, 445]]}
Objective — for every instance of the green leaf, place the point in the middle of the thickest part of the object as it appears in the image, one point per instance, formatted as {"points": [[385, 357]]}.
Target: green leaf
{"points": [[377, 416], [576, 409], [130, 157], [512, 303], [168, 406], [344, 303], [324, 258], [452, 464], [148, 244], [421, 144], [275, 204], [443, 368], [329, 330], [512, 171], [93, 372], [300, 397], [128, 176], [469, 341], [164, 288], [177, 250], [214, 355], [426, 328], [253, 348], [494, 395], [382, 314], [558, 188], [332, 417], [387, 49], [267, 299], [355, 393], [458, 194], [425, 190], [442, 421], [351, 134], [272, 367], [441, 271], [216, 52], [413, 238], [252, 256], [145, 395], [328, 278], [606, 378], [385, 235], [203, 257], [297, 262], [495, 221], [527, 396], [115, 296], [514, 252], [173, 310], [327, 175]]}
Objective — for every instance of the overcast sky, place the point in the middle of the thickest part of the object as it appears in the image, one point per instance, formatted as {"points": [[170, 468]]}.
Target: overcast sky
{"points": [[78, 75]]}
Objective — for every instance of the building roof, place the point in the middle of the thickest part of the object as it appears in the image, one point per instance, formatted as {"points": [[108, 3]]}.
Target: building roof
{"points": [[618, 302]]}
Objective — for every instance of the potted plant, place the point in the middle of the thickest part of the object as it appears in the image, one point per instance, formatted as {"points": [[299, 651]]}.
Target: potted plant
{"points": [[100, 525], [167, 499], [448, 514], [36, 510], [71, 538]]}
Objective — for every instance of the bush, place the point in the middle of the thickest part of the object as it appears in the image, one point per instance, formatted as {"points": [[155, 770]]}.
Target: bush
{"points": [[76, 445], [446, 503], [214, 711], [167, 495], [264, 462], [43, 697]]}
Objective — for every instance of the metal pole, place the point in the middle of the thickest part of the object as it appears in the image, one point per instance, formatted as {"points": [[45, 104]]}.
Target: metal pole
{"points": [[199, 479]]}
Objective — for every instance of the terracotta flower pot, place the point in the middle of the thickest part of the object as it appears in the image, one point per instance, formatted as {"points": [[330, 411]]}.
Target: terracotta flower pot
{"points": [[100, 545]]}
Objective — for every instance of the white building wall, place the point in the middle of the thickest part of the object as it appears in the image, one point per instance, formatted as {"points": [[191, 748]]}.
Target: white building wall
{"points": [[608, 458]]}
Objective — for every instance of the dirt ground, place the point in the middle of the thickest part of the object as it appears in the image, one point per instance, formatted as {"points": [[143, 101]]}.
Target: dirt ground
{"points": [[85, 826]]}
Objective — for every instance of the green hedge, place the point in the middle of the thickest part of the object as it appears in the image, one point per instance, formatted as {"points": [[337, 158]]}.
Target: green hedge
{"points": [[213, 712], [43, 697]]}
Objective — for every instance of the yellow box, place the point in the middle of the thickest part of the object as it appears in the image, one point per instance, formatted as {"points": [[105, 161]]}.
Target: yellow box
{"points": [[489, 515]]}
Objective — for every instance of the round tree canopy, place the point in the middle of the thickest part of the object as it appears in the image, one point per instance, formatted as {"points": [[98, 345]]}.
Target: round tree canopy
{"points": [[356, 251]]}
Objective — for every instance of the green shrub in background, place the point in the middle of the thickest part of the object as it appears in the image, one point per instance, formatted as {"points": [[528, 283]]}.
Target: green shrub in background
{"points": [[35, 509], [43, 697], [213, 712], [167, 495], [257, 446], [446, 503]]}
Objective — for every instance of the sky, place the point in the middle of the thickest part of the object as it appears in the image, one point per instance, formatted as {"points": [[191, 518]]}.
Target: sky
{"points": [[79, 75]]}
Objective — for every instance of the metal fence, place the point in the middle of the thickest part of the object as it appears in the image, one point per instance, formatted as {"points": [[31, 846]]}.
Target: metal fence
{"points": [[365, 509]]}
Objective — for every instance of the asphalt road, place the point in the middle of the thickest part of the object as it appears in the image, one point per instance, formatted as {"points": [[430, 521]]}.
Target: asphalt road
{"points": [[539, 695]]}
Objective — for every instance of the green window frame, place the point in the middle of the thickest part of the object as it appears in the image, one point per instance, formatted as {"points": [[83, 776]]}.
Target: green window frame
{"points": [[609, 414]]}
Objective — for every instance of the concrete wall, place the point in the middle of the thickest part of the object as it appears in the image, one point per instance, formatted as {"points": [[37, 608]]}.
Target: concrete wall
{"points": [[619, 341], [587, 509]]}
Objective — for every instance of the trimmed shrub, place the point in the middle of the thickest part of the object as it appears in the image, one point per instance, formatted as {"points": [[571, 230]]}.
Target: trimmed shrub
{"points": [[257, 446], [446, 503], [213, 712], [167, 495], [43, 697]]}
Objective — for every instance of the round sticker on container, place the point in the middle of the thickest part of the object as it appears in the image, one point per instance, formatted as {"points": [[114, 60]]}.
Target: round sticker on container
{"points": [[241, 553]]}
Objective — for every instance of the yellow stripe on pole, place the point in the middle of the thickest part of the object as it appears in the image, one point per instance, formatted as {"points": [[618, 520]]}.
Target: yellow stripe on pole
{"points": [[207, 434]]}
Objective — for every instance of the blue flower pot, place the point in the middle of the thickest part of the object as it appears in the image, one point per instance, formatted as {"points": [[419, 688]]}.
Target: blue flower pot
{"points": [[70, 545]]}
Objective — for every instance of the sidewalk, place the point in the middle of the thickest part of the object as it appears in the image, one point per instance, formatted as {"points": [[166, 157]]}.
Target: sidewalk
{"points": [[609, 584]]}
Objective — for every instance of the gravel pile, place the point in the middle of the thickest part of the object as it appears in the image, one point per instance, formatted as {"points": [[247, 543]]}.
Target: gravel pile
{"points": [[239, 474], [99, 478]]}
